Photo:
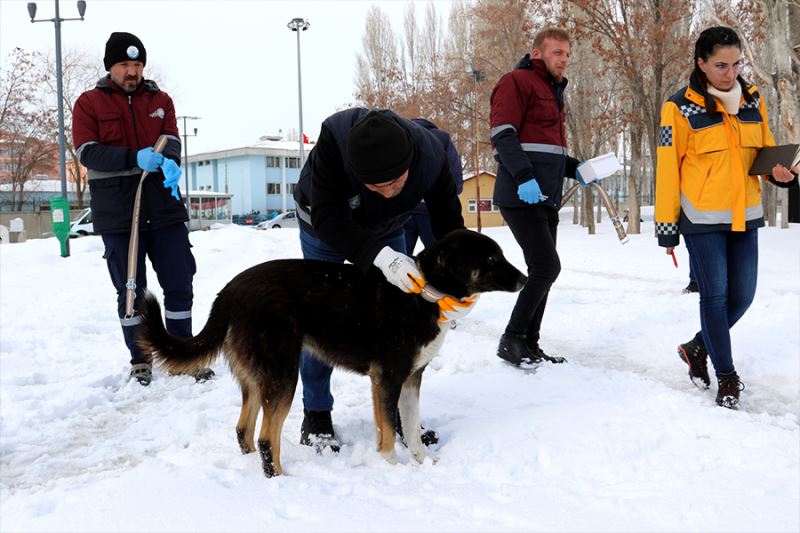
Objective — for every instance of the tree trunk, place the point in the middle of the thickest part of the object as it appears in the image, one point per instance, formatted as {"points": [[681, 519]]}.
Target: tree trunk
{"points": [[634, 207], [587, 198], [576, 210]]}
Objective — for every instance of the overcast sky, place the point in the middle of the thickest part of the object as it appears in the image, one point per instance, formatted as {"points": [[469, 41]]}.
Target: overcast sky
{"points": [[233, 63]]}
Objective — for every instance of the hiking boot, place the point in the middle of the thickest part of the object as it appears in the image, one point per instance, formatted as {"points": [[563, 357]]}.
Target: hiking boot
{"points": [[551, 358], [427, 436], [696, 356], [691, 287], [143, 373], [729, 389], [317, 431], [514, 349]]}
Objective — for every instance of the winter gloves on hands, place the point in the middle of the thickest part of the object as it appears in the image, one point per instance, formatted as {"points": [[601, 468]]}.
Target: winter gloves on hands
{"points": [[530, 192], [148, 160], [400, 270], [172, 175], [452, 309]]}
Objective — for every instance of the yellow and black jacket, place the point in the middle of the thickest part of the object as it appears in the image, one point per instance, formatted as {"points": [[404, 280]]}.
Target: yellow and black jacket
{"points": [[702, 184]]}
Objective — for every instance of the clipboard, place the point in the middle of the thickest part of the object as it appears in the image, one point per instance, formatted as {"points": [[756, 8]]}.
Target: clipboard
{"points": [[787, 155]]}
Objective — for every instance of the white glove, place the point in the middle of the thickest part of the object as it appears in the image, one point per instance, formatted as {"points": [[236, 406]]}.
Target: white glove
{"points": [[452, 309], [400, 270]]}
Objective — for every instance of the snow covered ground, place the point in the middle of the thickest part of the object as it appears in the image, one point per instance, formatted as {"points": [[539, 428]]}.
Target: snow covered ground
{"points": [[618, 439]]}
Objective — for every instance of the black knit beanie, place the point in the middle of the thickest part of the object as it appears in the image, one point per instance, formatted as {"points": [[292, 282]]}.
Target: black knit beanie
{"points": [[379, 149], [123, 46]]}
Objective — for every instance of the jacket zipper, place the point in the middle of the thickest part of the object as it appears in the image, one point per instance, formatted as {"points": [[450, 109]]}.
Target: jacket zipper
{"points": [[133, 117]]}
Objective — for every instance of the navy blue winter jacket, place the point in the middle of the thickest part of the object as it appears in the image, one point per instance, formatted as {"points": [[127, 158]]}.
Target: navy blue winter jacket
{"points": [[353, 220]]}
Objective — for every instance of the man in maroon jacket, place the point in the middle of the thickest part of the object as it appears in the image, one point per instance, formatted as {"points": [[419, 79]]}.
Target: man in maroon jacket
{"points": [[529, 137], [114, 128]]}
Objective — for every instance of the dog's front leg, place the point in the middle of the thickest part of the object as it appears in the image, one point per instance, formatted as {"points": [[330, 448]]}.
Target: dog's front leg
{"points": [[409, 416], [384, 399]]}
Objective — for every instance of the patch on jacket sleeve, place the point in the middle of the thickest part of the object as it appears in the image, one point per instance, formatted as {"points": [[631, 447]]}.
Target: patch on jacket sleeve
{"points": [[665, 136], [666, 228]]}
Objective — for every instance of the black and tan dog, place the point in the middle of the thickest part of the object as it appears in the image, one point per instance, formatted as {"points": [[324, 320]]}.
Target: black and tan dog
{"points": [[267, 314]]}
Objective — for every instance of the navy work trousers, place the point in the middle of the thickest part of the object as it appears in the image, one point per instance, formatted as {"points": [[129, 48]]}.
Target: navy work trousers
{"points": [[170, 254]]}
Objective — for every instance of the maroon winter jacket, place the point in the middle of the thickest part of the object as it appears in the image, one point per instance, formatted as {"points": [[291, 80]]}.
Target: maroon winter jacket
{"points": [[528, 132], [109, 127]]}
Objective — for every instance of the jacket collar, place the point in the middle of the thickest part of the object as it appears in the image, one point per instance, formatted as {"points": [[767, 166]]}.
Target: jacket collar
{"points": [[538, 66], [697, 94], [107, 85]]}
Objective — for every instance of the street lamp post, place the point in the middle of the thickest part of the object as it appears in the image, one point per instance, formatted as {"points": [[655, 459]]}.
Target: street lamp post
{"points": [[478, 75], [298, 25], [62, 162], [186, 163]]}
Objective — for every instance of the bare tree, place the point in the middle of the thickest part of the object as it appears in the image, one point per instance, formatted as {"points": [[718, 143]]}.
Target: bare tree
{"points": [[647, 45], [378, 70], [80, 72], [27, 124]]}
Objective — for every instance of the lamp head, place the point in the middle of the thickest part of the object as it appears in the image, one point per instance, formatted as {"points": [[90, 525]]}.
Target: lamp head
{"points": [[32, 10], [81, 8]]}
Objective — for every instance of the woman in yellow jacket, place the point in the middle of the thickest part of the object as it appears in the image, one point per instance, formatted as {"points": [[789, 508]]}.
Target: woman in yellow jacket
{"points": [[710, 133]]}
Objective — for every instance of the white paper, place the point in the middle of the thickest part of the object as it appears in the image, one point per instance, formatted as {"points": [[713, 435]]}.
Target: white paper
{"points": [[599, 167]]}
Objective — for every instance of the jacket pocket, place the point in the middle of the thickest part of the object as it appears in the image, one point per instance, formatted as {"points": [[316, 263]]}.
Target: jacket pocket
{"points": [[544, 106], [110, 128], [750, 135]]}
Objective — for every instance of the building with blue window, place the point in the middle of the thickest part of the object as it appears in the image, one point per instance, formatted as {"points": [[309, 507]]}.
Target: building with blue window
{"points": [[260, 177]]}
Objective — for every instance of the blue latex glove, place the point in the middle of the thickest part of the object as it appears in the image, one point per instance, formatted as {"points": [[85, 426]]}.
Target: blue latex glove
{"points": [[148, 160], [172, 175], [579, 178], [530, 192]]}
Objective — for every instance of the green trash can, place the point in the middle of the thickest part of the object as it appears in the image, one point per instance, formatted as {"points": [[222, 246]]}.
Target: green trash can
{"points": [[59, 216]]}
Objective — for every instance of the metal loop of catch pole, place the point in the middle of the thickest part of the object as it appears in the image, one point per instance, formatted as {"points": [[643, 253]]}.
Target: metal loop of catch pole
{"points": [[612, 212]]}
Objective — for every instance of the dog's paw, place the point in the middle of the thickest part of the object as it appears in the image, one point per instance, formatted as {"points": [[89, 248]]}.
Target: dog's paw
{"points": [[390, 457], [420, 455]]}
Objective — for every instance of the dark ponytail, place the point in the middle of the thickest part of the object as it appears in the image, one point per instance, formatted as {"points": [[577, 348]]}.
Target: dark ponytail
{"points": [[708, 41]]}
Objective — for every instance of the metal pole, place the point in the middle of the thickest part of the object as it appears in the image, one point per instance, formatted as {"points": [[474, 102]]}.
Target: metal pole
{"points": [[477, 157], [186, 177], [300, 102], [60, 95]]}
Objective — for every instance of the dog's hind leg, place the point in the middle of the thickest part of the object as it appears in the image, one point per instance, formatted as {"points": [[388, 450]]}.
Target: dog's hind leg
{"points": [[385, 395], [246, 426], [277, 394], [409, 416]]}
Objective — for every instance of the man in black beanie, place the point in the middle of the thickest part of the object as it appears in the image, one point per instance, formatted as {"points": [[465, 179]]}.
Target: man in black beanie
{"points": [[367, 172], [114, 128]]}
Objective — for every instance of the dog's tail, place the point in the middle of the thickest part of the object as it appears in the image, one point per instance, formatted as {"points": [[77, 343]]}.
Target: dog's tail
{"points": [[180, 356]]}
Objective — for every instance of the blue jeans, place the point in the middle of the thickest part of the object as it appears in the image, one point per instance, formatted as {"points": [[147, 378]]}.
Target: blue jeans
{"points": [[418, 226], [316, 375], [725, 264]]}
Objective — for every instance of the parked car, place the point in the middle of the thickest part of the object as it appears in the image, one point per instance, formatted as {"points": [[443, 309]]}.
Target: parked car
{"points": [[249, 220], [284, 220], [82, 225]]}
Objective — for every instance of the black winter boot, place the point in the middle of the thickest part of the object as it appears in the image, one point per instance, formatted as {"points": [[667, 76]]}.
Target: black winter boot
{"points": [[728, 391], [550, 358], [317, 431], [514, 348], [691, 287], [695, 355]]}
